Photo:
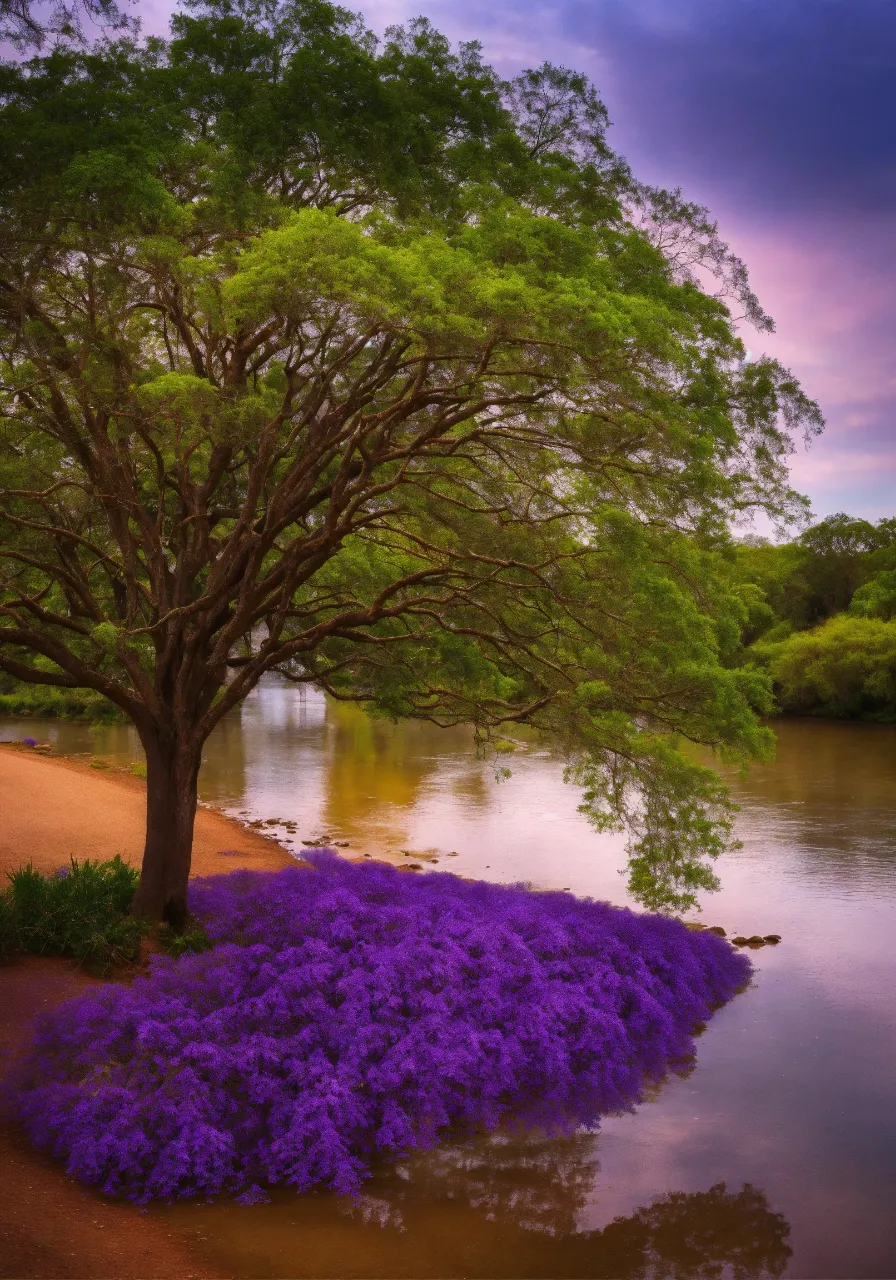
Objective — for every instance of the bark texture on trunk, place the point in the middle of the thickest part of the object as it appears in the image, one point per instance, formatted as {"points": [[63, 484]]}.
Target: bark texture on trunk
{"points": [[172, 773]]}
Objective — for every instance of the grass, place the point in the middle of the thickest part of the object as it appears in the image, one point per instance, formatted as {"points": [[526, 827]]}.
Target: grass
{"points": [[190, 941]]}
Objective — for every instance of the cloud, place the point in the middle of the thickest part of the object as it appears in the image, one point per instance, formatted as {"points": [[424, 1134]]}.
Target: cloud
{"points": [[829, 284], [784, 101]]}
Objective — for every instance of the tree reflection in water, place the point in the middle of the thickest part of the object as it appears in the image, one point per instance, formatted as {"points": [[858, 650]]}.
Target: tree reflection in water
{"points": [[526, 1195]]}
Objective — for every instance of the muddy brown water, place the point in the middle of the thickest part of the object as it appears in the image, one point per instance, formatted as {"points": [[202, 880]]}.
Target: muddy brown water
{"points": [[776, 1156]]}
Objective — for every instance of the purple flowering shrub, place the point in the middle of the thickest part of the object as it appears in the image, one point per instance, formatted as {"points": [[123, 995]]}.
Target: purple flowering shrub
{"points": [[355, 1012]]}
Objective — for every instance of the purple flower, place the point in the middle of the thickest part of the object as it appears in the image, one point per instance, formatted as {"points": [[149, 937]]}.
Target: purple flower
{"points": [[253, 1195], [349, 1013], [29, 742]]}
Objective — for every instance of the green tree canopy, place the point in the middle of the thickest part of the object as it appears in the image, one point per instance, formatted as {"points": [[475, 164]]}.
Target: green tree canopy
{"points": [[350, 361]]}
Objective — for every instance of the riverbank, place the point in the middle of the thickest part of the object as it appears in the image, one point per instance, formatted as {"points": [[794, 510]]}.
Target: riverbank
{"points": [[55, 809]]}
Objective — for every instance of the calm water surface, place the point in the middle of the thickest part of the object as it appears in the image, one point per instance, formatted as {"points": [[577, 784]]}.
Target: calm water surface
{"points": [[776, 1156]]}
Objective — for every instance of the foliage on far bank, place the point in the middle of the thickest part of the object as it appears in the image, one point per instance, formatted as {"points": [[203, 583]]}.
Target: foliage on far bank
{"points": [[820, 617], [352, 1013], [839, 564], [846, 668], [18, 698]]}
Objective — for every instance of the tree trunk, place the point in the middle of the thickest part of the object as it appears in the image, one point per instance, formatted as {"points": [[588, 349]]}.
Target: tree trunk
{"points": [[172, 772]]}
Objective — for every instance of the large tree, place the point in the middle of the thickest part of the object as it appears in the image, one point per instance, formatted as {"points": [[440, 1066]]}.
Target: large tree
{"points": [[352, 362]]}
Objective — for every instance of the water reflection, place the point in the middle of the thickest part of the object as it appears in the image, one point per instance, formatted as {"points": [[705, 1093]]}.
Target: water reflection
{"points": [[224, 767], [696, 1236], [501, 1207], [523, 1197], [373, 769], [116, 743], [828, 796], [525, 1181]]}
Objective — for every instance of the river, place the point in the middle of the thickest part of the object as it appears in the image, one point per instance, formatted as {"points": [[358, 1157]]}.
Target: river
{"points": [[791, 1105]]}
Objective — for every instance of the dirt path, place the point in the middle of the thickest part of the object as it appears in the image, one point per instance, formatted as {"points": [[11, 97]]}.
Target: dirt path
{"points": [[53, 809], [51, 1228]]}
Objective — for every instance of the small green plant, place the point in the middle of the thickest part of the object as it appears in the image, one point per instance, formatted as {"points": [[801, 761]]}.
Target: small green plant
{"points": [[186, 942], [8, 930], [79, 911], [98, 764], [138, 768]]}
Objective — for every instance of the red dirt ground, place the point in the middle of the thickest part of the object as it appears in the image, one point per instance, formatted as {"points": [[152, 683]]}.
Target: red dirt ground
{"points": [[53, 809]]}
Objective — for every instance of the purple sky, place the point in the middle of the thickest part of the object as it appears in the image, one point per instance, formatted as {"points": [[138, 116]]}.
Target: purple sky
{"points": [[780, 115]]}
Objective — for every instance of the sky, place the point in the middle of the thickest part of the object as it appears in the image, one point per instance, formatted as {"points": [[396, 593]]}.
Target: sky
{"points": [[780, 116]]}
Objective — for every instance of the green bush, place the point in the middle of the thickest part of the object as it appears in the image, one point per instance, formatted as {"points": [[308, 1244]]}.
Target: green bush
{"points": [[845, 669], [877, 599], [79, 911]]}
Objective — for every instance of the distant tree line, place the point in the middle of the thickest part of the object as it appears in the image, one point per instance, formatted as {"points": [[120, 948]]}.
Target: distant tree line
{"points": [[820, 616]]}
